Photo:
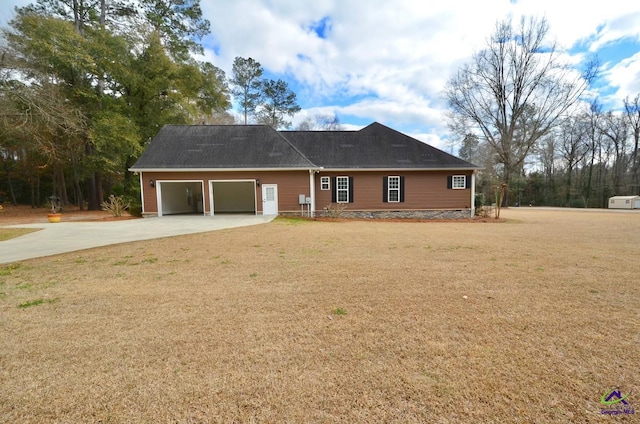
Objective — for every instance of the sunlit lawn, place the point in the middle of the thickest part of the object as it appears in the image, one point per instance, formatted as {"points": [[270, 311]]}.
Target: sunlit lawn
{"points": [[529, 320]]}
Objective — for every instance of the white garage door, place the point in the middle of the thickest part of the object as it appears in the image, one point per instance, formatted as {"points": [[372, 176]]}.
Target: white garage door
{"points": [[233, 197]]}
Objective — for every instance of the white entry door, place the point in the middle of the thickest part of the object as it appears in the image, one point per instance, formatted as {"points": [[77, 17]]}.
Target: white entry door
{"points": [[270, 199]]}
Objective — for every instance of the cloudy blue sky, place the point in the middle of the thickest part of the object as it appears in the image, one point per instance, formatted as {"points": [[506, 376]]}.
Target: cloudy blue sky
{"points": [[388, 61]]}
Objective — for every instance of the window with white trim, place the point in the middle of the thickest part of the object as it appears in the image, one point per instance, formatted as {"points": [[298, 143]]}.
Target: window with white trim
{"points": [[393, 189], [325, 183], [342, 189], [459, 182]]}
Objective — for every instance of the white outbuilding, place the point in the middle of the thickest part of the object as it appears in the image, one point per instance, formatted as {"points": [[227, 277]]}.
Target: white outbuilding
{"points": [[624, 202]]}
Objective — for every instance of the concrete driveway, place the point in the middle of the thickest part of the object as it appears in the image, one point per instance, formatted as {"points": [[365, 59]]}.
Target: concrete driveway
{"points": [[66, 237]]}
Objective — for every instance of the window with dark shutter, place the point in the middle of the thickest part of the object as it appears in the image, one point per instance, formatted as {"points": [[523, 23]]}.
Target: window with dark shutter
{"points": [[334, 194], [457, 182], [392, 189], [343, 189], [385, 189]]}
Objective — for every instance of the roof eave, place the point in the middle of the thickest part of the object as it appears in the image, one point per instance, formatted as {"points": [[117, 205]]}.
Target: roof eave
{"points": [[306, 168], [396, 169], [302, 168]]}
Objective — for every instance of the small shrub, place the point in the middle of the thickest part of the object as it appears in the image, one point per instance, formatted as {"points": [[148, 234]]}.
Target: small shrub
{"points": [[479, 200], [135, 210], [115, 205], [335, 210], [485, 211]]}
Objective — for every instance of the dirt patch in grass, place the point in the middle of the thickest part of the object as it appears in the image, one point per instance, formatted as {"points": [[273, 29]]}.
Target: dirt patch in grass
{"points": [[532, 320], [22, 214]]}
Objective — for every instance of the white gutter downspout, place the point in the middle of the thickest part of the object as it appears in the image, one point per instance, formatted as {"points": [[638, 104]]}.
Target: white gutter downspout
{"points": [[473, 194], [142, 193], [312, 192]]}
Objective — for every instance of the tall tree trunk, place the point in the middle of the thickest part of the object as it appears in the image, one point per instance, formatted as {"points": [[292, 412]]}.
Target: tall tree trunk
{"points": [[567, 197], [92, 195], [103, 12], [38, 187], [78, 191], [507, 178], [32, 185], [635, 162], [12, 193], [106, 186], [64, 195], [103, 17], [93, 202], [99, 192], [587, 196], [78, 18], [7, 171]]}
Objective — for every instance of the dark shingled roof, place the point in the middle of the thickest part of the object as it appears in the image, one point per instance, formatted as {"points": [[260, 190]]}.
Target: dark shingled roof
{"points": [[256, 146], [220, 146], [375, 146]]}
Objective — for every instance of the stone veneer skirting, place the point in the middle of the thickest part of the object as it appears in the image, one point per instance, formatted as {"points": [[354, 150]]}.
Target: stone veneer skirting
{"points": [[411, 214]]}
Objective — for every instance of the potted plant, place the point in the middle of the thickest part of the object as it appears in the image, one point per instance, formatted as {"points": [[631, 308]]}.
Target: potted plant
{"points": [[56, 208]]}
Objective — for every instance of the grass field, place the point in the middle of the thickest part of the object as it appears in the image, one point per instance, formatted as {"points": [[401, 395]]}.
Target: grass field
{"points": [[529, 320]]}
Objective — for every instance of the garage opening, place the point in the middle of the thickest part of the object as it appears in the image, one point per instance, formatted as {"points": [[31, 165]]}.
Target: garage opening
{"points": [[233, 197], [180, 197]]}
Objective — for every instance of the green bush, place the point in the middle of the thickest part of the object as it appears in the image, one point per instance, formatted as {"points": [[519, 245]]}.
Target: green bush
{"points": [[135, 210]]}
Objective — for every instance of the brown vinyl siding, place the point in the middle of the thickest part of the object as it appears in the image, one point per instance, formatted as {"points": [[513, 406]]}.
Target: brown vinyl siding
{"points": [[422, 190], [290, 185]]}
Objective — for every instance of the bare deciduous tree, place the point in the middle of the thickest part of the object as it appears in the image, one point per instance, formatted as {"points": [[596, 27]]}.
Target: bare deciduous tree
{"points": [[572, 134], [632, 115], [614, 129], [514, 91]]}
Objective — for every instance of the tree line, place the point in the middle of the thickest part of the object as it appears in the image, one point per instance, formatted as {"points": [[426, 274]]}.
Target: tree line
{"points": [[85, 84], [522, 113]]}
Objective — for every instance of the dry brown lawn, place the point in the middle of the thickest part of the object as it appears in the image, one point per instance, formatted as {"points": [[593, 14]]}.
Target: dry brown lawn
{"points": [[529, 320]]}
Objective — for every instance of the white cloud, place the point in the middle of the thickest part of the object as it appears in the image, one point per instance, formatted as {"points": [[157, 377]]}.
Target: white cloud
{"points": [[389, 60], [624, 77], [393, 58]]}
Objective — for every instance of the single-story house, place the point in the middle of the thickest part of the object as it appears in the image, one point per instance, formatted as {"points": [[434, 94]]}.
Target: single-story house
{"points": [[372, 172], [624, 202]]}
